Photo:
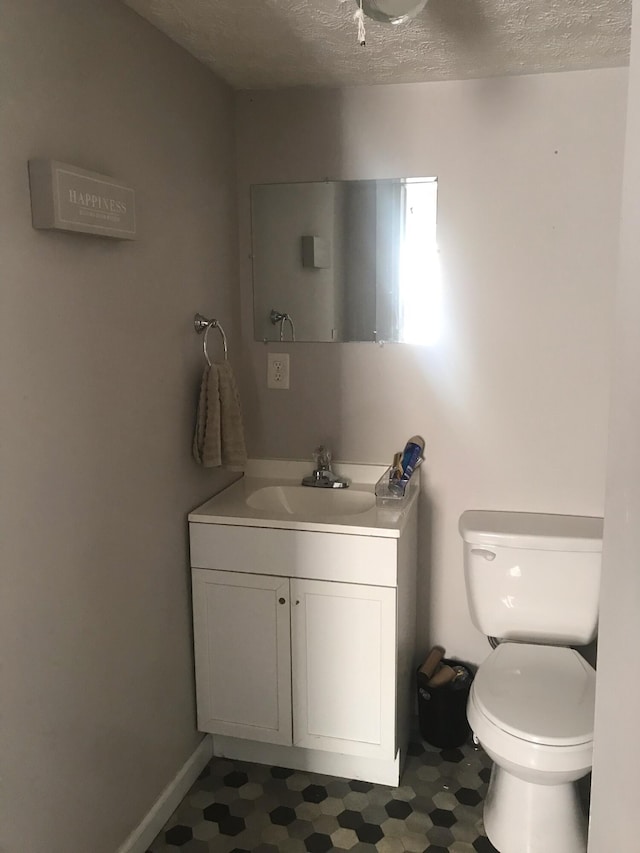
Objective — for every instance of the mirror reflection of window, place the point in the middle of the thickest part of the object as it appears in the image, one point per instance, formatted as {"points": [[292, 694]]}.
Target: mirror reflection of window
{"points": [[347, 260], [419, 276]]}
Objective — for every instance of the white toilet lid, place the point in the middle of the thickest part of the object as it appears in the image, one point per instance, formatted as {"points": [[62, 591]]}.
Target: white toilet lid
{"points": [[542, 694]]}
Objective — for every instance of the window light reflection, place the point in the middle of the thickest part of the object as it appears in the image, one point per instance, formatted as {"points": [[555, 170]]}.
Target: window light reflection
{"points": [[420, 279]]}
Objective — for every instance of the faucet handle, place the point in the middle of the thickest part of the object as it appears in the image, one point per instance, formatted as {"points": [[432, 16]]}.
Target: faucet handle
{"points": [[322, 458]]}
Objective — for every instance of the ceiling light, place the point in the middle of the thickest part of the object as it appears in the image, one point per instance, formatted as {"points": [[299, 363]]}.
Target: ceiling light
{"points": [[391, 11]]}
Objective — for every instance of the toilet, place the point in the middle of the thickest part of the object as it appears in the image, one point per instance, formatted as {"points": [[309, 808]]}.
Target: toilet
{"points": [[532, 584]]}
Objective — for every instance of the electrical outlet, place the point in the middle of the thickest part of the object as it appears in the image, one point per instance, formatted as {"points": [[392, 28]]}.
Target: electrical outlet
{"points": [[278, 370]]}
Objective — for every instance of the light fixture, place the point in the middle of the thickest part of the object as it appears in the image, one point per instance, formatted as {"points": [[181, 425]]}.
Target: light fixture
{"points": [[391, 11]]}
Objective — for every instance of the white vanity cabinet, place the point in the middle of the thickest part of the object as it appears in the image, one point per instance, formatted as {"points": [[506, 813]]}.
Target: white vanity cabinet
{"points": [[304, 644], [343, 679], [303, 662], [241, 627]]}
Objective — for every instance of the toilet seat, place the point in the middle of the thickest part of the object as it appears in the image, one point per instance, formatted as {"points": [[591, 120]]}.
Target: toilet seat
{"points": [[525, 758], [541, 694]]}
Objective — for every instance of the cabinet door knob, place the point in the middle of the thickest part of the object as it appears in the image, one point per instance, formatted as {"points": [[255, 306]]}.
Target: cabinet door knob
{"points": [[298, 601], [282, 600]]}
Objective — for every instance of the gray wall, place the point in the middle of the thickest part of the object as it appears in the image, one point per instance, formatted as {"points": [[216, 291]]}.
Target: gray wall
{"points": [[614, 823], [512, 399], [100, 367]]}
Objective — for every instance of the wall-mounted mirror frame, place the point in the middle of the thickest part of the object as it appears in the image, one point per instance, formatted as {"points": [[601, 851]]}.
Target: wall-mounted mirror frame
{"points": [[338, 261]]}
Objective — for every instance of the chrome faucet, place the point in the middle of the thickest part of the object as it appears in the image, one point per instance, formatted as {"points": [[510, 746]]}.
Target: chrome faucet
{"points": [[322, 476]]}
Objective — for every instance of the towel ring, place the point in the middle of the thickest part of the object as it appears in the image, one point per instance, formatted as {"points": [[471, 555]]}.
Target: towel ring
{"points": [[282, 317], [201, 324]]}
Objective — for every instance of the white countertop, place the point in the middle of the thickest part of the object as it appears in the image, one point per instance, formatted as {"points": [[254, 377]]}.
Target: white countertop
{"points": [[230, 506]]}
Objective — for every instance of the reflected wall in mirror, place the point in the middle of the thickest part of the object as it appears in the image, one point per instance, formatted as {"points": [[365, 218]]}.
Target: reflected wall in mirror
{"points": [[346, 261]]}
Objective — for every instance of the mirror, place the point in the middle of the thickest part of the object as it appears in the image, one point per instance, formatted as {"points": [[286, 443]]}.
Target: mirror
{"points": [[346, 261]]}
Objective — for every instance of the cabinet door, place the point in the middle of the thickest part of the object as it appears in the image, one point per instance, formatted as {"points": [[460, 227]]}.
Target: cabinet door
{"points": [[242, 653], [343, 642]]}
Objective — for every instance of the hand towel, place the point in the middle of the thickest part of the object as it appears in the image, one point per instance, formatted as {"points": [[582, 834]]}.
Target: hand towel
{"points": [[219, 433], [234, 452], [206, 438]]}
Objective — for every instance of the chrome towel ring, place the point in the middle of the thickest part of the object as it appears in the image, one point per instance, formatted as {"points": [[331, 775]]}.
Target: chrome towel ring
{"points": [[282, 317], [202, 324]]}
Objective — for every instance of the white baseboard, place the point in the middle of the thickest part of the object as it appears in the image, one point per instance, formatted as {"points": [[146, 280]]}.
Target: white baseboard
{"points": [[169, 799]]}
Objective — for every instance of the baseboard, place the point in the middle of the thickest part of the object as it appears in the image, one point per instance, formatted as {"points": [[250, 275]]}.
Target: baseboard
{"points": [[169, 799]]}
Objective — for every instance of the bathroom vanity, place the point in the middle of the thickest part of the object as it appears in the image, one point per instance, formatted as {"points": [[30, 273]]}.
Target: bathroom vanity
{"points": [[304, 622]]}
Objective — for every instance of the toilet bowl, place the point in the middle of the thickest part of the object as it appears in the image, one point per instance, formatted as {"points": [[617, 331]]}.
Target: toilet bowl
{"points": [[531, 707]]}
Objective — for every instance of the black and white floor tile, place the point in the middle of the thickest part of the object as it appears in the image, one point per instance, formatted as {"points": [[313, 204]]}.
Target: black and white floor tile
{"points": [[236, 807]]}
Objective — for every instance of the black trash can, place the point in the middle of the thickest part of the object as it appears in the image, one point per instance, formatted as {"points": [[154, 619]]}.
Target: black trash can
{"points": [[442, 711]]}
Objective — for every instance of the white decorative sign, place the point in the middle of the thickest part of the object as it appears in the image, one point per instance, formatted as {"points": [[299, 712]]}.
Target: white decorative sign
{"points": [[67, 198]]}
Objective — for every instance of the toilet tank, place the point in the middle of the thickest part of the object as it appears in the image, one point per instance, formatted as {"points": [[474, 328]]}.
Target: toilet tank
{"points": [[533, 577]]}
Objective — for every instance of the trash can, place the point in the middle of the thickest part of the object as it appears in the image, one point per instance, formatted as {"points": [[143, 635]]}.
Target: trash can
{"points": [[442, 711]]}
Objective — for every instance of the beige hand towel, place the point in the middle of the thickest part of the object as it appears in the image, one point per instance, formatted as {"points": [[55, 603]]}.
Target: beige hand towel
{"points": [[219, 433], [206, 438], [234, 452]]}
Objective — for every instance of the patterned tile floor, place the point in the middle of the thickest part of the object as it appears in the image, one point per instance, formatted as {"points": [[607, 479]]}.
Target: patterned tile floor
{"points": [[236, 807]]}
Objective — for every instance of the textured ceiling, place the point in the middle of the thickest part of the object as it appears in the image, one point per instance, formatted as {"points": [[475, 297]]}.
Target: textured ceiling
{"points": [[259, 44]]}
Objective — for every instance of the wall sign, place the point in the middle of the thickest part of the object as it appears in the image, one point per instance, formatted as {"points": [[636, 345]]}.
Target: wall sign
{"points": [[67, 198]]}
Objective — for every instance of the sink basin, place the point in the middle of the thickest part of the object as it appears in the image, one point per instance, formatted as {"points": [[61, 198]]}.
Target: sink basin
{"points": [[316, 503]]}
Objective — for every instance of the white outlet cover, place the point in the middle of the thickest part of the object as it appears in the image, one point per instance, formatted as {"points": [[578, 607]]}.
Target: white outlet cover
{"points": [[278, 370]]}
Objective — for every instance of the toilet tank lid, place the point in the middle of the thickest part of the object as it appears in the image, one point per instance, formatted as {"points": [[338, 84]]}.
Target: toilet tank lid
{"points": [[538, 531]]}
